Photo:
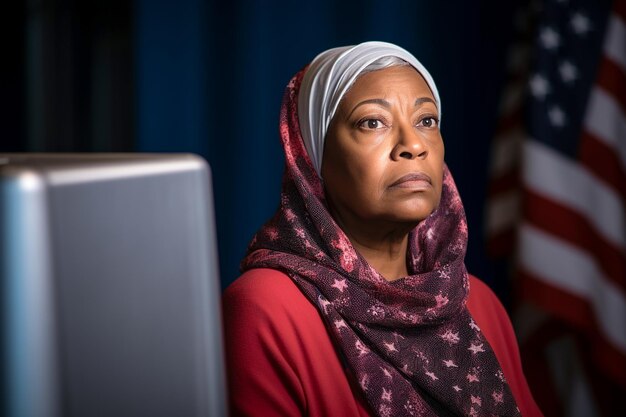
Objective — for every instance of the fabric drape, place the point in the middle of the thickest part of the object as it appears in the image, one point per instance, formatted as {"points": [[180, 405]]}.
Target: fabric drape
{"points": [[411, 344]]}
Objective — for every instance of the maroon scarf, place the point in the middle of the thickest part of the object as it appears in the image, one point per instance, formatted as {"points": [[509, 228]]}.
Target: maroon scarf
{"points": [[411, 344]]}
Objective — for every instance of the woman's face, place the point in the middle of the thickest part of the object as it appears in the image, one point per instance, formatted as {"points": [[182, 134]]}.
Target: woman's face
{"points": [[383, 156]]}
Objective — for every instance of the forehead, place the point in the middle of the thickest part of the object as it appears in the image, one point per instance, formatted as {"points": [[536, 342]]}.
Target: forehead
{"points": [[402, 79]]}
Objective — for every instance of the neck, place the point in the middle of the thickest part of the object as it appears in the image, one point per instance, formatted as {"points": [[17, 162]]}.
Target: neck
{"points": [[387, 257], [382, 244]]}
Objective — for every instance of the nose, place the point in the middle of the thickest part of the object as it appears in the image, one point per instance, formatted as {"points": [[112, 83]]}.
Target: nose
{"points": [[409, 145]]}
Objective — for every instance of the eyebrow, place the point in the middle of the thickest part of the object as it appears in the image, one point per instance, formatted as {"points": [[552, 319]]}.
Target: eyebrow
{"points": [[423, 100], [380, 101], [386, 104]]}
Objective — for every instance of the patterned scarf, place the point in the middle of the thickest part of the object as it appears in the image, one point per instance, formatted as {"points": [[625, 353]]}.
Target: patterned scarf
{"points": [[411, 344]]}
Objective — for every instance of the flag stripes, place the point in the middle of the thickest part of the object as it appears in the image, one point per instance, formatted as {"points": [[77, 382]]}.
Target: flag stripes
{"points": [[576, 310], [548, 173], [556, 219], [562, 214], [567, 267]]}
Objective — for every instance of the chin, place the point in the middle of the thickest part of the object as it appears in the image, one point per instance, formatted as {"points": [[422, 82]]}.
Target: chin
{"points": [[410, 219], [416, 213]]}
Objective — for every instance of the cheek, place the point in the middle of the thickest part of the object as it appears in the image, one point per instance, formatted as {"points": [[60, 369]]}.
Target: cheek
{"points": [[369, 173], [340, 173], [361, 164], [439, 191], [361, 180], [438, 154], [438, 168]]}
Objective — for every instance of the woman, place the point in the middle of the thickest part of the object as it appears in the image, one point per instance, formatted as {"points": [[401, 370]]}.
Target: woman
{"points": [[354, 299]]}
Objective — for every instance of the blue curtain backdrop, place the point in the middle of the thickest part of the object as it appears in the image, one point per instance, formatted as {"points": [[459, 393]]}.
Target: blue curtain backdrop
{"points": [[210, 78]]}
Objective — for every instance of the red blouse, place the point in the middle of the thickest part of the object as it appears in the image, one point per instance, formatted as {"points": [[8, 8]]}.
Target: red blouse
{"points": [[282, 362]]}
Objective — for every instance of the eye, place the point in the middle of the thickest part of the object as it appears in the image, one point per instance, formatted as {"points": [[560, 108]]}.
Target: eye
{"points": [[428, 121], [371, 124]]}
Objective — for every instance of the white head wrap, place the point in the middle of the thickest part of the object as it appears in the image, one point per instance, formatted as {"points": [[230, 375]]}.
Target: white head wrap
{"points": [[329, 77]]}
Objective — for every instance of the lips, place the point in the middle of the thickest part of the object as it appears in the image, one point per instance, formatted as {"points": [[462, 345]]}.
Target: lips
{"points": [[415, 180]]}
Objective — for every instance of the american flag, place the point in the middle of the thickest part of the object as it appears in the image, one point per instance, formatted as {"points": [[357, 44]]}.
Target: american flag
{"points": [[557, 201]]}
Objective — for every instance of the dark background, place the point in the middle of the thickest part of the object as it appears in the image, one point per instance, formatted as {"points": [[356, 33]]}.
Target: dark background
{"points": [[207, 77]]}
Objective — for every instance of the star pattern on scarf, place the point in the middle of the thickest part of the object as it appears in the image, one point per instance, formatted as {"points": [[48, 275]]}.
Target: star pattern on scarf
{"points": [[497, 397], [390, 346], [441, 300], [476, 348], [472, 378], [397, 348], [324, 303], [431, 375], [386, 372], [450, 337], [340, 324], [340, 284], [386, 395], [473, 325], [449, 363], [361, 348]]}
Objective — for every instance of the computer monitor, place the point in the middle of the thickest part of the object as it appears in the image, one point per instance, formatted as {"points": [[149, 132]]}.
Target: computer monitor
{"points": [[110, 288]]}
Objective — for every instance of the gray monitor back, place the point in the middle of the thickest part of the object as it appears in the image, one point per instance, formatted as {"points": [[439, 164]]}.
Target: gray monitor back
{"points": [[109, 286]]}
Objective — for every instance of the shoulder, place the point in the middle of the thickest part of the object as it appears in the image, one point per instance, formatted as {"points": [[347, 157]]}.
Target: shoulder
{"points": [[479, 289], [483, 302], [275, 341], [260, 282], [269, 297], [490, 315], [263, 287]]}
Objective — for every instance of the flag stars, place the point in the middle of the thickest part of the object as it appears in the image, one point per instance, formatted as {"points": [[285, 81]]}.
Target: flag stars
{"points": [[556, 116], [580, 24], [539, 86], [549, 38], [456, 388], [568, 71], [340, 284]]}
